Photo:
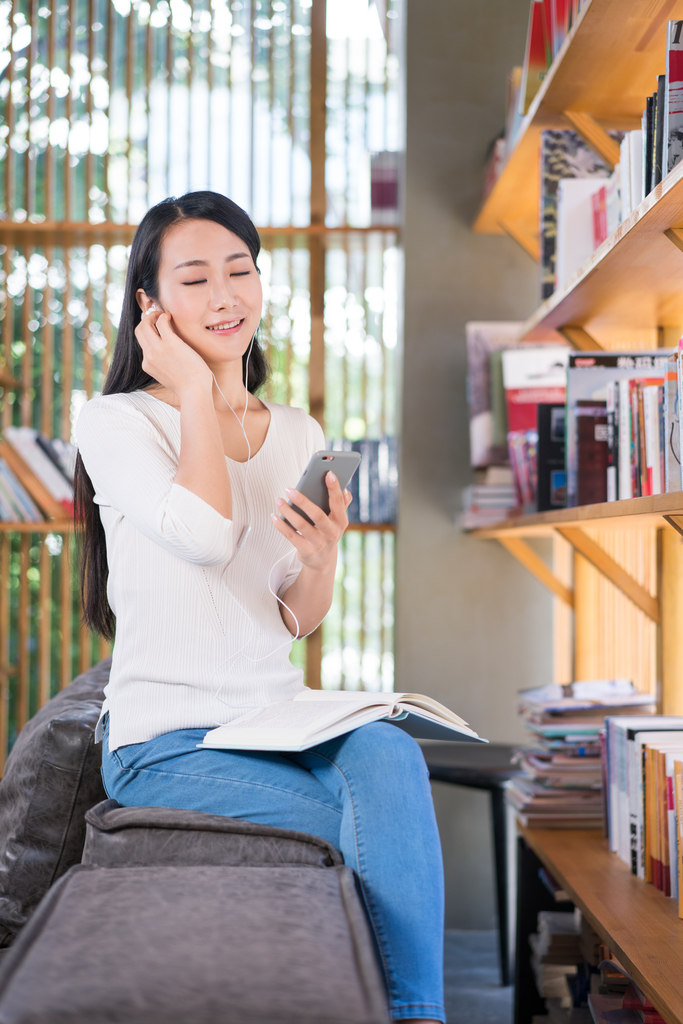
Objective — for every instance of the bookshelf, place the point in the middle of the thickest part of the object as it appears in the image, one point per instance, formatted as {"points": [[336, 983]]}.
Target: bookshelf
{"points": [[631, 285], [635, 920], [598, 81], [615, 570]]}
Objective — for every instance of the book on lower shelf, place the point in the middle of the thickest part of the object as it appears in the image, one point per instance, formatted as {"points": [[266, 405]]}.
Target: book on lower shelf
{"points": [[563, 775], [36, 477], [315, 716]]}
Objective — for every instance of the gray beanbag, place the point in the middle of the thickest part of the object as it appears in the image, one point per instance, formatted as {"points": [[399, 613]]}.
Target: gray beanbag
{"points": [[52, 777], [197, 945]]}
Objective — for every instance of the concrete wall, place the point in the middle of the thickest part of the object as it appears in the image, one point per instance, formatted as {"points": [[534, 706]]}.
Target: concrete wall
{"points": [[472, 626]]}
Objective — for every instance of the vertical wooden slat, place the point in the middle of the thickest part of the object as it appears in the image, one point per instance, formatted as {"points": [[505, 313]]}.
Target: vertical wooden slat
{"points": [[110, 77], [169, 121], [316, 366], [49, 150], [149, 61], [130, 65], [563, 661], [318, 207], [44, 624], [67, 368], [89, 156], [11, 123], [29, 164], [47, 366], [24, 633], [66, 614], [7, 339], [27, 358], [5, 555], [85, 344], [68, 169], [671, 611]]}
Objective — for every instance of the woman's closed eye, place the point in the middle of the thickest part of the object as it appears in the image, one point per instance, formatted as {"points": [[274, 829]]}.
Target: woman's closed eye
{"points": [[202, 281]]}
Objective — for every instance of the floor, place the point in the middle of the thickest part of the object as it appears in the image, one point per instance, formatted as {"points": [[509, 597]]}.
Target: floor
{"points": [[473, 991]]}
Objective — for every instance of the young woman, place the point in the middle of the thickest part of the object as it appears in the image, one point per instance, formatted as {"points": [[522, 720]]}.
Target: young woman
{"points": [[181, 472]]}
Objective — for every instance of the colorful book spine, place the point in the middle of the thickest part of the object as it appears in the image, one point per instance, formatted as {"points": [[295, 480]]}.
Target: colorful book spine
{"points": [[536, 56], [624, 477], [673, 109], [672, 460]]}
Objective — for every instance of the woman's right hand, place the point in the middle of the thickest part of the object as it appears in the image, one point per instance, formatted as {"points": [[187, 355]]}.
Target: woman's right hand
{"points": [[167, 358]]}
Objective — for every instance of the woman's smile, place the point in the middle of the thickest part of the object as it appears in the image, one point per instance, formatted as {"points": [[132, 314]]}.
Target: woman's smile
{"points": [[226, 326]]}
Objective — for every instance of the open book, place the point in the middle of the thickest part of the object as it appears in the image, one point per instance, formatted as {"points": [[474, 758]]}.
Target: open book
{"points": [[314, 716]]}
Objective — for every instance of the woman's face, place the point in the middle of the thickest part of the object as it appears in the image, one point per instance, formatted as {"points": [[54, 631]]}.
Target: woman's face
{"points": [[210, 286]]}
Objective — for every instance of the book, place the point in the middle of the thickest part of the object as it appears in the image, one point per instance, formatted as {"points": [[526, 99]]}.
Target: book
{"points": [[658, 133], [564, 154], [24, 441], [485, 396], [16, 503], [552, 478], [575, 242], [315, 716], [591, 451], [678, 824], [530, 375], [672, 454], [673, 101], [537, 57], [647, 125], [588, 375]]}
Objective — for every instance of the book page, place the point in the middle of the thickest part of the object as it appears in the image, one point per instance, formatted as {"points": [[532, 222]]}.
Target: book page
{"points": [[365, 699], [286, 714]]}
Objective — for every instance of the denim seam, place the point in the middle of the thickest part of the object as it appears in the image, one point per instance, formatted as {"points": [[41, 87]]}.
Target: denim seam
{"points": [[261, 785], [379, 933]]}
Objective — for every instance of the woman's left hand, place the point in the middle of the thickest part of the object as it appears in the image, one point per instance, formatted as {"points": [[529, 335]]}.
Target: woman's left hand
{"points": [[316, 544]]}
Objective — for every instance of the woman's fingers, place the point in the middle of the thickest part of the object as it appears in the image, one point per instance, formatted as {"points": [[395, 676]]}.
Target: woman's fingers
{"points": [[296, 521], [338, 502]]}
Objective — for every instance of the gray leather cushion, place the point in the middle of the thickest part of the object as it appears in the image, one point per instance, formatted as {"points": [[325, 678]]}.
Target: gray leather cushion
{"points": [[52, 777], [147, 836], [199, 945]]}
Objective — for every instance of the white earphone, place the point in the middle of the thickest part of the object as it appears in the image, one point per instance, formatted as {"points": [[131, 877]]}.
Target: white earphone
{"points": [[240, 544]]}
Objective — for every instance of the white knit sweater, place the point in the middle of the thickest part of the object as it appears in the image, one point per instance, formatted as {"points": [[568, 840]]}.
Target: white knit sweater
{"points": [[192, 649]]}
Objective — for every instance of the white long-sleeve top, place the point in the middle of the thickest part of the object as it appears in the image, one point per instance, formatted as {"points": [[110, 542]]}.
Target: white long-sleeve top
{"points": [[197, 644]]}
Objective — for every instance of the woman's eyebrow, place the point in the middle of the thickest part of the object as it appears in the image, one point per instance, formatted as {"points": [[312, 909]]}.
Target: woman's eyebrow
{"points": [[203, 263]]}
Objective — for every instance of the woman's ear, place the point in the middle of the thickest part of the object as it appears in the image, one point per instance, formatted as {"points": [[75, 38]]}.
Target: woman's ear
{"points": [[144, 301]]}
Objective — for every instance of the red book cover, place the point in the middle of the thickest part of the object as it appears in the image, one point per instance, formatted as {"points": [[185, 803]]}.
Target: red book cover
{"points": [[635, 1000], [535, 58], [599, 201]]}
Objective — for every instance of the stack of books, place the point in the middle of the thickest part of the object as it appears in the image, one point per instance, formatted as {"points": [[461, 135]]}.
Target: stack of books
{"points": [[488, 502], [562, 784], [36, 477], [555, 953], [622, 1001]]}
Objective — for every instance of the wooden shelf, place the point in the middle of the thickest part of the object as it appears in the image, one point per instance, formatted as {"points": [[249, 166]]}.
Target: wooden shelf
{"points": [[46, 526], [630, 512], [606, 68], [631, 285], [372, 527], [73, 233], [639, 924]]}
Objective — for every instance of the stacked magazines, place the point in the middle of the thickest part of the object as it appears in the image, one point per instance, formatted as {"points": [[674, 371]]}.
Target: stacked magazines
{"points": [[562, 782]]}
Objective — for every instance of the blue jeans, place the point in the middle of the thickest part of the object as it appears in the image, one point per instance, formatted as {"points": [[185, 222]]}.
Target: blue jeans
{"points": [[366, 792]]}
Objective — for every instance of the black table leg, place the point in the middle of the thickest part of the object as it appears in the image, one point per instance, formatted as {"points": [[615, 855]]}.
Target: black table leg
{"points": [[500, 855]]}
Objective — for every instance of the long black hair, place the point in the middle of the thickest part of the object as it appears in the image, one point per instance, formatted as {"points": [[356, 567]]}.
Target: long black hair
{"points": [[126, 373]]}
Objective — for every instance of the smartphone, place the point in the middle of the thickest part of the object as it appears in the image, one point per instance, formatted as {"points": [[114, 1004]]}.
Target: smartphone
{"points": [[312, 483]]}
